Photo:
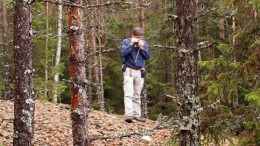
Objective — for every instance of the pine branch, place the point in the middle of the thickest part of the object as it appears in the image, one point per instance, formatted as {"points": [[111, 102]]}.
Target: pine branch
{"points": [[201, 45], [108, 3]]}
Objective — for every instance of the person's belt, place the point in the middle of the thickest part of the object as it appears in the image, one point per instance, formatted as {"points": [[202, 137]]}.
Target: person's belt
{"points": [[136, 68]]}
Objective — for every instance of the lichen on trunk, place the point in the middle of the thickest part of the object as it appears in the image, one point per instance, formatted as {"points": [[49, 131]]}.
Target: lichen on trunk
{"points": [[23, 84], [77, 72], [187, 73]]}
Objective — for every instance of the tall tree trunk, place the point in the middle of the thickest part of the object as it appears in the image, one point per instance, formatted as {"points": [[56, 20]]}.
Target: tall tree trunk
{"points": [[98, 72], [142, 17], [23, 84], [144, 99], [221, 26], [6, 72], [46, 51], [91, 48], [90, 78], [58, 52], [77, 72], [187, 73]]}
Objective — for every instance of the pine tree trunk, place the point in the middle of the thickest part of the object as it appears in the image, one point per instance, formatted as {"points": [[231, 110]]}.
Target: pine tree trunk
{"points": [[187, 73], [77, 72], [58, 52], [142, 17], [6, 72], [93, 48], [24, 104], [144, 98], [91, 45], [90, 78]]}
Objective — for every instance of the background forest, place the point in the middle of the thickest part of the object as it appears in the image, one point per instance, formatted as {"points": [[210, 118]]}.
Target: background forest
{"points": [[228, 33]]}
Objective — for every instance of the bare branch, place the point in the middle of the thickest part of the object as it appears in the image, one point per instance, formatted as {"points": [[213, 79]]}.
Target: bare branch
{"points": [[165, 47], [101, 52], [201, 45], [141, 132], [205, 44], [213, 105], [207, 12], [170, 96], [108, 3], [172, 17]]}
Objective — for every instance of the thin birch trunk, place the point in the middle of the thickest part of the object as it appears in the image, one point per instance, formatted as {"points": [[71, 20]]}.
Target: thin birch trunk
{"points": [[24, 104], [221, 26], [98, 72], [6, 68], [58, 52], [91, 49], [46, 52], [77, 72]]}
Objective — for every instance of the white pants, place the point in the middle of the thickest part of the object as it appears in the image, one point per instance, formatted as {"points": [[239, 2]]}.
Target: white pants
{"points": [[133, 84]]}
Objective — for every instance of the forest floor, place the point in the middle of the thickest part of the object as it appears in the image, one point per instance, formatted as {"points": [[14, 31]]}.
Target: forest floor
{"points": [[53, 127]]}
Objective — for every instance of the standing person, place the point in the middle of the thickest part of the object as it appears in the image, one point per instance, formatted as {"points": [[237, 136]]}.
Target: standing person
{"points": [[134, 51]]}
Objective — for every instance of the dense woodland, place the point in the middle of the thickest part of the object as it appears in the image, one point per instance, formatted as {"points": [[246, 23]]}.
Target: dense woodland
{"points": [[222, 65]]}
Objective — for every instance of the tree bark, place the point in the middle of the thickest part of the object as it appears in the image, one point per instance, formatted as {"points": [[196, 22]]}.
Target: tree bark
{"points": [[142, 17], [187, 73], [98, 68], [6, 71], [91, 44], [46, 75], [221, 26], [144, 99], [77, 72], [92, 47], [58, 52], [23, 84]]}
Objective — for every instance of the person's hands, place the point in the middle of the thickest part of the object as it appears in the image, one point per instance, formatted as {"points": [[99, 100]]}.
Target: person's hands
{"points": [[134, 41], [141, 44]]}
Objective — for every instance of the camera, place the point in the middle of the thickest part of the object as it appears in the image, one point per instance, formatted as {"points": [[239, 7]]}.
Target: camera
{"points": [[136, 43]]}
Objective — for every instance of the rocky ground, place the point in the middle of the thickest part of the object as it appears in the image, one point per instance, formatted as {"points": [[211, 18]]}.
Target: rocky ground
{"points": [[53, 127]]}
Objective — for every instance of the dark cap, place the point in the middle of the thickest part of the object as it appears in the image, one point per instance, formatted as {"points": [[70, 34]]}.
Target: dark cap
{"points": [[137, 31]]}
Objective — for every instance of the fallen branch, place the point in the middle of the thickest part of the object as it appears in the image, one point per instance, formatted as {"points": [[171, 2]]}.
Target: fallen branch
{"points": [[141, 132]]}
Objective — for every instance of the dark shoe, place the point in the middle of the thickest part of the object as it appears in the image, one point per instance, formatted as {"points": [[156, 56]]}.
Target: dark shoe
{"points": [[128, 120], [139, 119]]}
